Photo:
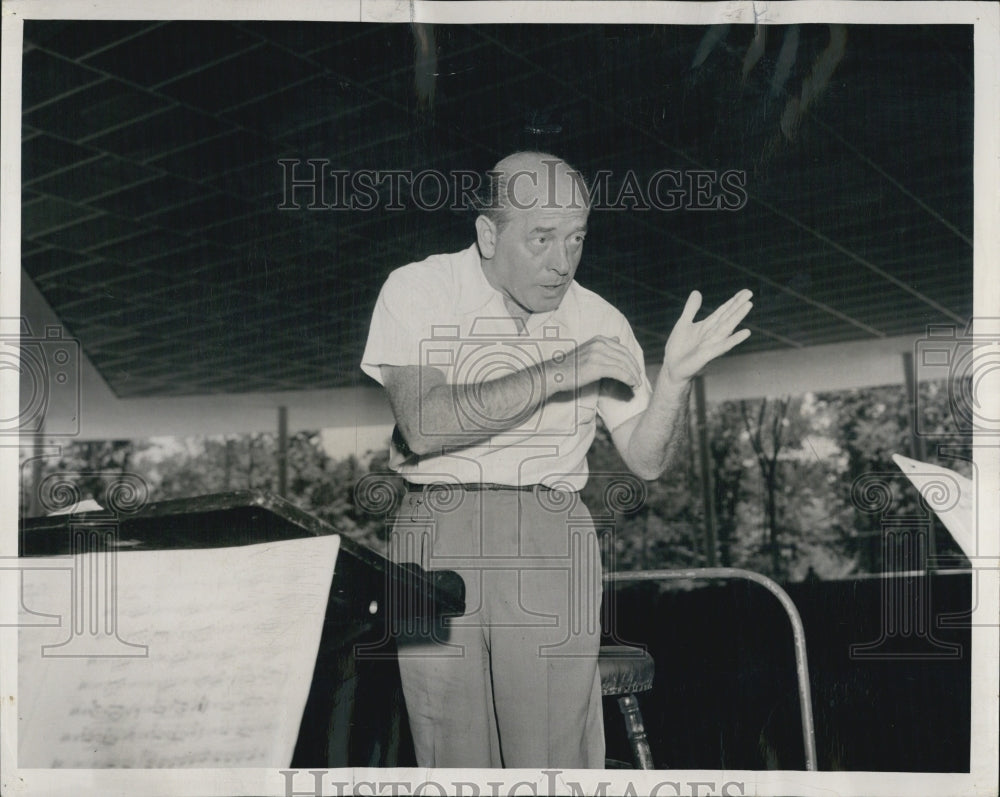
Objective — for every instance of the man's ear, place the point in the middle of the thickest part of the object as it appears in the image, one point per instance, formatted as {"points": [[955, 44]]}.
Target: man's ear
{"points": [[486, 236]]}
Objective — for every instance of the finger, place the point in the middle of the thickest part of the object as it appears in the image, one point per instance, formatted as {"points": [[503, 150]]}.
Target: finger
{"points": [[613, 360], [613, 344], [620, 357], [624, 376], [618, 369], [691, 307], [726, 318], [626, 364], [733, 318], [737, 298], [729, 343], [740, 296]]}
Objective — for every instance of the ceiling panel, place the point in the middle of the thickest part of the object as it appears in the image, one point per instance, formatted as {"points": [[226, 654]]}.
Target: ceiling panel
{"points": [[149, 197], [48, 76], [91, 177], [100, 107], [152, 180], [167, 51], [88, 232], [218, 155], [46, 214], [79, 38], [244, 77], [42, 154], [174, 129], [144, 244]]}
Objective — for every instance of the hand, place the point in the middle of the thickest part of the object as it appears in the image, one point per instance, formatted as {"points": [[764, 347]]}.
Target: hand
{"points": [[598, 358], [692, 345]]}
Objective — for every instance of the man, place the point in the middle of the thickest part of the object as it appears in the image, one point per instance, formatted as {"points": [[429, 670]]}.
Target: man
{"points": [[496, 364]]}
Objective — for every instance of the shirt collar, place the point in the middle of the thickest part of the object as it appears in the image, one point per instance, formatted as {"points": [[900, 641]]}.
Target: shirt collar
{"points": [[476, 291]]}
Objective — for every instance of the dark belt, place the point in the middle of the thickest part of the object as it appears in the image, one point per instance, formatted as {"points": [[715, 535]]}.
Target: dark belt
{"points": [[473, 487]]}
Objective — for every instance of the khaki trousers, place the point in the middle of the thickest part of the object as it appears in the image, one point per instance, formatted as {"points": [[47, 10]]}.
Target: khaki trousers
{"points": [[514, 681]]}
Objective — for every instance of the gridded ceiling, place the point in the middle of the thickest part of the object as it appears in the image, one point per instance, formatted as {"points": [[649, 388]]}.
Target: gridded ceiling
{"points": [[152, 178]]}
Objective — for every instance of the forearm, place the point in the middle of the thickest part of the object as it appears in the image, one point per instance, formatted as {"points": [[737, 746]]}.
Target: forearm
{"points": [[439, 415], [432, 414], [658, 436]]}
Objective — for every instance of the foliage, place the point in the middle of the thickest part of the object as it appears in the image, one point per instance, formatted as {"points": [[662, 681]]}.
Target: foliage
{"points": [[871, 425], [90, 466], [782, 475], [317, 483], [782, 472], [665, 528]]}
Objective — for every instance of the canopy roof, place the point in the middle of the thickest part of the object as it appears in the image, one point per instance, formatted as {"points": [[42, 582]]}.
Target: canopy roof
{"points": [[152, 179]]}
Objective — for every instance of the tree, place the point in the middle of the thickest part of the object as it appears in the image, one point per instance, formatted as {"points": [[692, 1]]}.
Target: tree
{"points": [[786, 515], [317, 483], [767, 434], [872, 424], [88, 469], [665, 529], [728, 469]]}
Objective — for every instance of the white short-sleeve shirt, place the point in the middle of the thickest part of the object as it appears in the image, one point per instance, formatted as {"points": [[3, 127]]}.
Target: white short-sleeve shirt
{"points": [[442, 312]]}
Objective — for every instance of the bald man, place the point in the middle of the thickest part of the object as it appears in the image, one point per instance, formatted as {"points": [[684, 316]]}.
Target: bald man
{"points": [[496, 364]]}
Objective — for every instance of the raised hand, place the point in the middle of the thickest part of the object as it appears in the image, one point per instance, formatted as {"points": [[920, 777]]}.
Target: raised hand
{"points": [[693, 344]]}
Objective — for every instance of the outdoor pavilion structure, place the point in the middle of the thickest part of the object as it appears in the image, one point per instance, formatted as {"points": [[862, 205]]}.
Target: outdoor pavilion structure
{"points": [[96, 413], [189, 220]]}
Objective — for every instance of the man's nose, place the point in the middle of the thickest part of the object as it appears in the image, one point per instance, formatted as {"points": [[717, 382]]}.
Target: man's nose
{"points": [[560, 261]]}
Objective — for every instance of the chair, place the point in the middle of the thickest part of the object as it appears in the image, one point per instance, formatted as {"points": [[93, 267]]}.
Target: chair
{"points": [[624, 671]]}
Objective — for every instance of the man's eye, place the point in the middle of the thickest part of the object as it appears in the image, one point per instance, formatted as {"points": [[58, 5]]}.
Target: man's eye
{"points": [[540, 239]]}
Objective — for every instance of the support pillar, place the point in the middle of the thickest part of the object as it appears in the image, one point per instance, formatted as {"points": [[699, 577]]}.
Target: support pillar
{"points": [[34, 507], [917, 448], [706, 472], [283, 451]]}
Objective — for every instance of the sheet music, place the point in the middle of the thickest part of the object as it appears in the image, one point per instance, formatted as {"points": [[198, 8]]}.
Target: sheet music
{"points": [[211, 665], [949, 494]]}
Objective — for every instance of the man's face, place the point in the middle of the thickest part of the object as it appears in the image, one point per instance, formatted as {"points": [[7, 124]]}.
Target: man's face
{"points": [[537, 250]]}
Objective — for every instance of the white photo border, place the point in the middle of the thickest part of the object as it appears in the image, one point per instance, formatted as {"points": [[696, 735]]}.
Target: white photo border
{"points": [[985, 720]]}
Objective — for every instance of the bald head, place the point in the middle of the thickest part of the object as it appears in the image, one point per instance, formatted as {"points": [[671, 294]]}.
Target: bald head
{"points": [[525, 180]]}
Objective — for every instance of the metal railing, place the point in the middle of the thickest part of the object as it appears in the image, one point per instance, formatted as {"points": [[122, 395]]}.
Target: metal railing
{"points": [[798, 631]]}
